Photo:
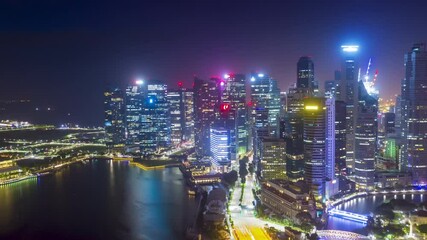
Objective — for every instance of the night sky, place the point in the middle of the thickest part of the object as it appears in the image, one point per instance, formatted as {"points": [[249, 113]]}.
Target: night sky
{"points": [[65, 53]]}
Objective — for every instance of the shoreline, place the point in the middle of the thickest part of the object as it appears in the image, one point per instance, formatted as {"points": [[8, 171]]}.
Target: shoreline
{"points": [[16, 180]]}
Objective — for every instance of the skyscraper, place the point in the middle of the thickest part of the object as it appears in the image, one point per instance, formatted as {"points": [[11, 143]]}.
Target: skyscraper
{"points": [[182, 114], [340, 137], [347, 92], [188, 115], [220, 142], [176, 107], [294, 128], [330, 88], [114, 122], [315, 145], [305, 73], [234, 93], [265, 100], [134, 103], [414, 113], [155, 120], [206, 99], [365, 138]]}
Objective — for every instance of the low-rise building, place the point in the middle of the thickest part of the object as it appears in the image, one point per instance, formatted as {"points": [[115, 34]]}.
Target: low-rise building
{"points": [[392, 179], [287, 199], [215, 207]]}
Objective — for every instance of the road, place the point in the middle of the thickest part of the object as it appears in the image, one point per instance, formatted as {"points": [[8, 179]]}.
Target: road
{"points": [[246, 225]]}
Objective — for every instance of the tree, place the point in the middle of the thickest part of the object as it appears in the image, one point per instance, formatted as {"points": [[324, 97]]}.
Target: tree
{"points": [[243, 170], [231, 177], [251, 168]]}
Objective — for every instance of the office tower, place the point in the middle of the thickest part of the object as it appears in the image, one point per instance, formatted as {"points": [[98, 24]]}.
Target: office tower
{"points": [[155, 120], [365, 138], [347, 92], [414, 113], [176, 106], [338, 83], [294, 133], [220, 147], [398, 116], [331, 184], [205, 102], [330, 138], [265, 105], [332, 86], [182, 114], [340, 135], [315, 119], [389, 123], [134, 103], [273, 158], [330, 89], [305, 73], [234, 94], [114, 119], [283, 104]]}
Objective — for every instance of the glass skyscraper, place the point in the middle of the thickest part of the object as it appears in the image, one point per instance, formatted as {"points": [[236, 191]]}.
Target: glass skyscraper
{"points": [[414, 113], [155, 120], [114, 122], [134, 103], [206, 102], [234, 93]]}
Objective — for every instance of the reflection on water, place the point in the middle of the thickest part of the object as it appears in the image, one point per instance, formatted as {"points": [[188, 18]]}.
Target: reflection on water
{"points": [[97, 200], [365, 205]]}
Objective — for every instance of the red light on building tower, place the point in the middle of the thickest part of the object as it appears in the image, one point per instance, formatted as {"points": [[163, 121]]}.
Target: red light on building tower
{"points": [[180, 84], [224, 107]]}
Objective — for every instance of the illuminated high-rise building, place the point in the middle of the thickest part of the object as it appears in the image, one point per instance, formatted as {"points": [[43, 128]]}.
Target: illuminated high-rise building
{"points": [[414, 113], [340, 137], [115, 129], [330, 88], [398, 115], [273, 158], [347, 91], [188, 115], [265, 109], [181, 112], [155, 120], [315, 125], [389, 123], [134, 104], [206, 100], [220, 143], [366, 130], [234, 93], [176, 107], [305, 73], [293, 134]]}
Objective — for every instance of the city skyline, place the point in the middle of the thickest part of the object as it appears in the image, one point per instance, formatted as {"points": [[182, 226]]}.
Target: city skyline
{"points": [[238, 119], [68, 49]]}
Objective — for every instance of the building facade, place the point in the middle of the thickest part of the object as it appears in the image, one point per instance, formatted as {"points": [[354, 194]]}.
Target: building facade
{"points": [[273, 158], [114, 122], [206, 100], [414, 113]]}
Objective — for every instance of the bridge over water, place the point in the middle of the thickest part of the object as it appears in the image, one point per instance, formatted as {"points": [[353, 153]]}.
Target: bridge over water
{"points": [[348, 215]]}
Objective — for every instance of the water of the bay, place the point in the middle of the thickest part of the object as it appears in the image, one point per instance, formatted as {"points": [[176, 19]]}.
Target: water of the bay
{"points": [[97, 200]]}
